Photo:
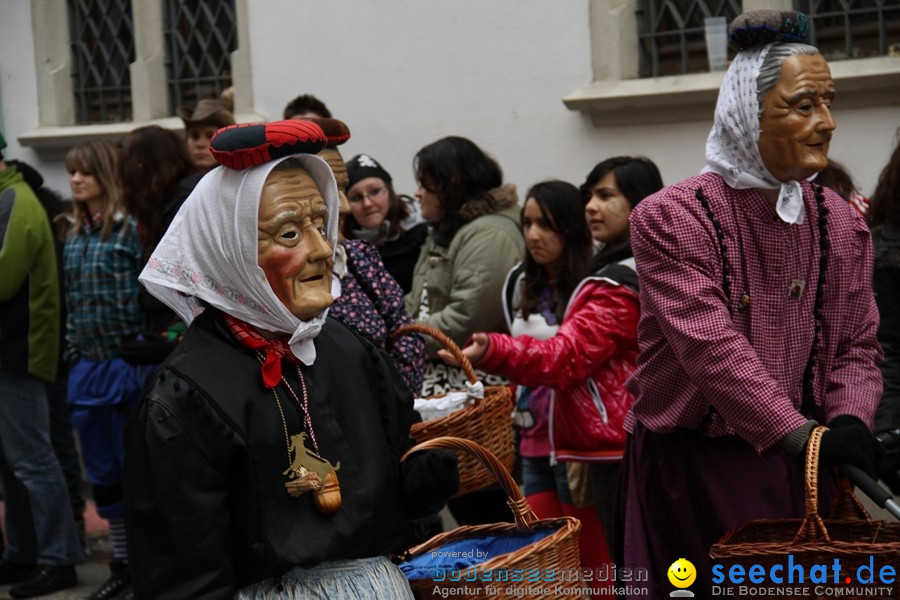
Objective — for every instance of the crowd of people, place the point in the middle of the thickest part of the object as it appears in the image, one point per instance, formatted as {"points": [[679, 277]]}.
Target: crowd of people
{"points": [[211, 312]]}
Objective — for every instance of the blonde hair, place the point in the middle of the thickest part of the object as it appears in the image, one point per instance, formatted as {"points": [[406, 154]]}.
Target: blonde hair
{"points": [[96, 158]]}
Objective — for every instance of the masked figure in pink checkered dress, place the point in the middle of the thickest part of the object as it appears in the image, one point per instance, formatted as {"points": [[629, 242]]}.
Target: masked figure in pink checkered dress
{"points": [[757, 315]]}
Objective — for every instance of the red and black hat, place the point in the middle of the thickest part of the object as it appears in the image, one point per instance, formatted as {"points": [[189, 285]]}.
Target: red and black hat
{"points": [[249, 145], [335, 130]]}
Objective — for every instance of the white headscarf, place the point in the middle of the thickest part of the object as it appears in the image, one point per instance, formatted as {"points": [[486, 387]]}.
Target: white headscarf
{"points": [[209, 253], [732, 148]]}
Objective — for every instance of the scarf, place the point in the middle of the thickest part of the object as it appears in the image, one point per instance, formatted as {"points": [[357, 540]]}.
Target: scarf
{"points": [[209, 254], [732, 149], [274, 349]]}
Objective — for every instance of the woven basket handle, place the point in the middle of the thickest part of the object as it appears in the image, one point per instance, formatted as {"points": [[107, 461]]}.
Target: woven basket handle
{"points": [[847, 506], [445, 341], [812, 528], [522, 511]]}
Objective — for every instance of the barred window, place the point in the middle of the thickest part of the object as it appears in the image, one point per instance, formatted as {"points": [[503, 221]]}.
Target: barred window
{"points": [[671, 34], [101, 35], [843, 29], [200, 37]]}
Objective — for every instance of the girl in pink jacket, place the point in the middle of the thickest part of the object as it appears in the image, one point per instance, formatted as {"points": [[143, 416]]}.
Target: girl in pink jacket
{"points": [[587, 360]]}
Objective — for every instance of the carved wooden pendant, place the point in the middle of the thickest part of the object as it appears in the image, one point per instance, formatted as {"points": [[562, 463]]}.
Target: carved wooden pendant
{"points": [[328, 499], [310, 472]]}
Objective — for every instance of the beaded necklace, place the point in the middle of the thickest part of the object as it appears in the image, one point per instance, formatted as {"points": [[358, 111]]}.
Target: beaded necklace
{"points": [[307, 470]]}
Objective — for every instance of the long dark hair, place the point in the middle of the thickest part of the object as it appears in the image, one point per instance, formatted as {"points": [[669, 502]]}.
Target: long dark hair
{"points": [[458, 171], [636, 177], [884, 205], [560, 203], [152, 161]]}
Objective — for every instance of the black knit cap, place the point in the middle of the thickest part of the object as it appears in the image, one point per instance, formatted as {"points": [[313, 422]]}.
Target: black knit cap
{"points": [[362, 166]]}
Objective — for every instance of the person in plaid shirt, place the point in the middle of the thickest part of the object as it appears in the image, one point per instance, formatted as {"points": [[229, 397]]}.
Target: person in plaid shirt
{"points": [[101, 261], [757, 315]]}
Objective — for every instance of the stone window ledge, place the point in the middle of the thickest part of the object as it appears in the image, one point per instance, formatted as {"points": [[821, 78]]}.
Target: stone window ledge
{"points": [[53, 141], [860, 83]]}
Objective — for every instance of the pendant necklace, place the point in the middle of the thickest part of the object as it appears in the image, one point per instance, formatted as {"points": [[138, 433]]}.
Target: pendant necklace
{"points": [[307, 470]]}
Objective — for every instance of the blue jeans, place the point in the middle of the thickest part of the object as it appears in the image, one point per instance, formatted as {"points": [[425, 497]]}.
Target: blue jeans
{"points": [[33, 478], [538, 476], [62, 436]]}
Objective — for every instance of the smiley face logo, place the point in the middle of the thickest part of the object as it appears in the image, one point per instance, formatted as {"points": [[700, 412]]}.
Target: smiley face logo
{"points": [[682, 573]]}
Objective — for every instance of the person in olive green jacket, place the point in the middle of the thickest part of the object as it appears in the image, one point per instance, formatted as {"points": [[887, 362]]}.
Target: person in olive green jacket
{"points": [[473, 242], [44, 548], [475, 239]]}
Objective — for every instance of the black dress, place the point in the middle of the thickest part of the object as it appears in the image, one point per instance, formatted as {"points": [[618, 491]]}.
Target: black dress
{"points": [[206, 507]]}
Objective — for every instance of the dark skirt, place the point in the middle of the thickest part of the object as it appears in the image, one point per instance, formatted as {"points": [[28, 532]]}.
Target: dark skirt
{"points": [[685, 490]]}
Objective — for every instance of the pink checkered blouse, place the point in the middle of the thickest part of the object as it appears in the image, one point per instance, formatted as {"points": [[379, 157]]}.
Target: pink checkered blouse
{"points": [[706, 364]]}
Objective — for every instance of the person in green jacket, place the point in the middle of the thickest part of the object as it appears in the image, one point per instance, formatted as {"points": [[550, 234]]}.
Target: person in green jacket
{"points": [[474, 240], [44, 548]]}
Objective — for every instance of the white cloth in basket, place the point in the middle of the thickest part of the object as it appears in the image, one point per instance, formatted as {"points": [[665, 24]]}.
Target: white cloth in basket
{"points": [[442, 406]]}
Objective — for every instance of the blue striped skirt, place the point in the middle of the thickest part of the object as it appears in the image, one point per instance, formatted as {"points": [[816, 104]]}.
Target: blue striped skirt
{"points": [[374, 578]]}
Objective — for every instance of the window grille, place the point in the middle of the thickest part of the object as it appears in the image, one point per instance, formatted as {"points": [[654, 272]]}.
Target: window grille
{"points": [[200, 37], [844, 29], [101, 37], [671, 35]]}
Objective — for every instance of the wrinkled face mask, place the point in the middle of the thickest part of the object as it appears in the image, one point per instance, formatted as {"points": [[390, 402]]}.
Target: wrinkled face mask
{"points": [[292, 249], [796, 124], [735, 143]]}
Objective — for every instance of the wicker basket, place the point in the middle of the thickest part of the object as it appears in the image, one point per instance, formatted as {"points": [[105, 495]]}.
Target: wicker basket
{"points": [[849, 535], [542, 567], [487, 422]]}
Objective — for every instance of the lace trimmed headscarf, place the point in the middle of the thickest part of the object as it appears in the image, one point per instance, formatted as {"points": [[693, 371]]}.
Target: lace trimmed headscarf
{"points": [[732, 148], [209, 253]]}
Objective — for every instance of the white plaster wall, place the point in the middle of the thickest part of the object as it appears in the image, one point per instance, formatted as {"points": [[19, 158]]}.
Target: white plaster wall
{"points": [[403, 73], [18, 91]]}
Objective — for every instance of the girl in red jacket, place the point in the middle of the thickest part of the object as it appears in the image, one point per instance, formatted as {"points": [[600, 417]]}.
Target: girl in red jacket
{"points": [[593, 351]]}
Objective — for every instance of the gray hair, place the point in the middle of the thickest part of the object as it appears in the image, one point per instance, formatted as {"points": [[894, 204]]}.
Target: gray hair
{"points": [[770, 70]]}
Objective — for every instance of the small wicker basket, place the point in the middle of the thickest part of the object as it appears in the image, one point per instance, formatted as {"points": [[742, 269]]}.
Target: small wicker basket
{"points": [[554, 555], [487, 422], [848, 535]]}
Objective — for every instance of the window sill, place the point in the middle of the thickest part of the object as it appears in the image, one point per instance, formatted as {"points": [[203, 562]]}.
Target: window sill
{"points": [[58, 140], [860, 83]]}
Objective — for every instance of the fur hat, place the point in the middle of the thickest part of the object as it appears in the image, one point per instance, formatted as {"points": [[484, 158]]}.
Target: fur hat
{"points": [[362, 166], [758, 27], [208, 111]]}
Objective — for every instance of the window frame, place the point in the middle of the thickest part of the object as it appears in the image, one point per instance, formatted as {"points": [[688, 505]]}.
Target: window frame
{"points": [[57, 130], [617, 97]]}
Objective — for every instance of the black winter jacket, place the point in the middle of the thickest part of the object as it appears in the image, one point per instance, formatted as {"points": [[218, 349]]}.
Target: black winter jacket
{"points": [[886, 281], [206, 507]]}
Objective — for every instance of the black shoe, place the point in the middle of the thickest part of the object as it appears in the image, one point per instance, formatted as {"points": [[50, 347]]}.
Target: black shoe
{"points": [[11, 572], [45, 579], [119, 582], [128, 594]]}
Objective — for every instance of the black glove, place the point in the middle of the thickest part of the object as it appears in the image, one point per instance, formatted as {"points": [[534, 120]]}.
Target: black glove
{"points": [[430, 478], [849, 440], [890, 474], [146, 350]]}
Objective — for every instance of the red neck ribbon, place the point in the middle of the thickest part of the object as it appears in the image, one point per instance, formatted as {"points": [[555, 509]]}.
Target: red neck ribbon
{"points": [[275, 349]]}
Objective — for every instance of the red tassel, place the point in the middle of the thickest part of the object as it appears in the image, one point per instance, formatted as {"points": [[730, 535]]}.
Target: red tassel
{"points": [[271, 369]]}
